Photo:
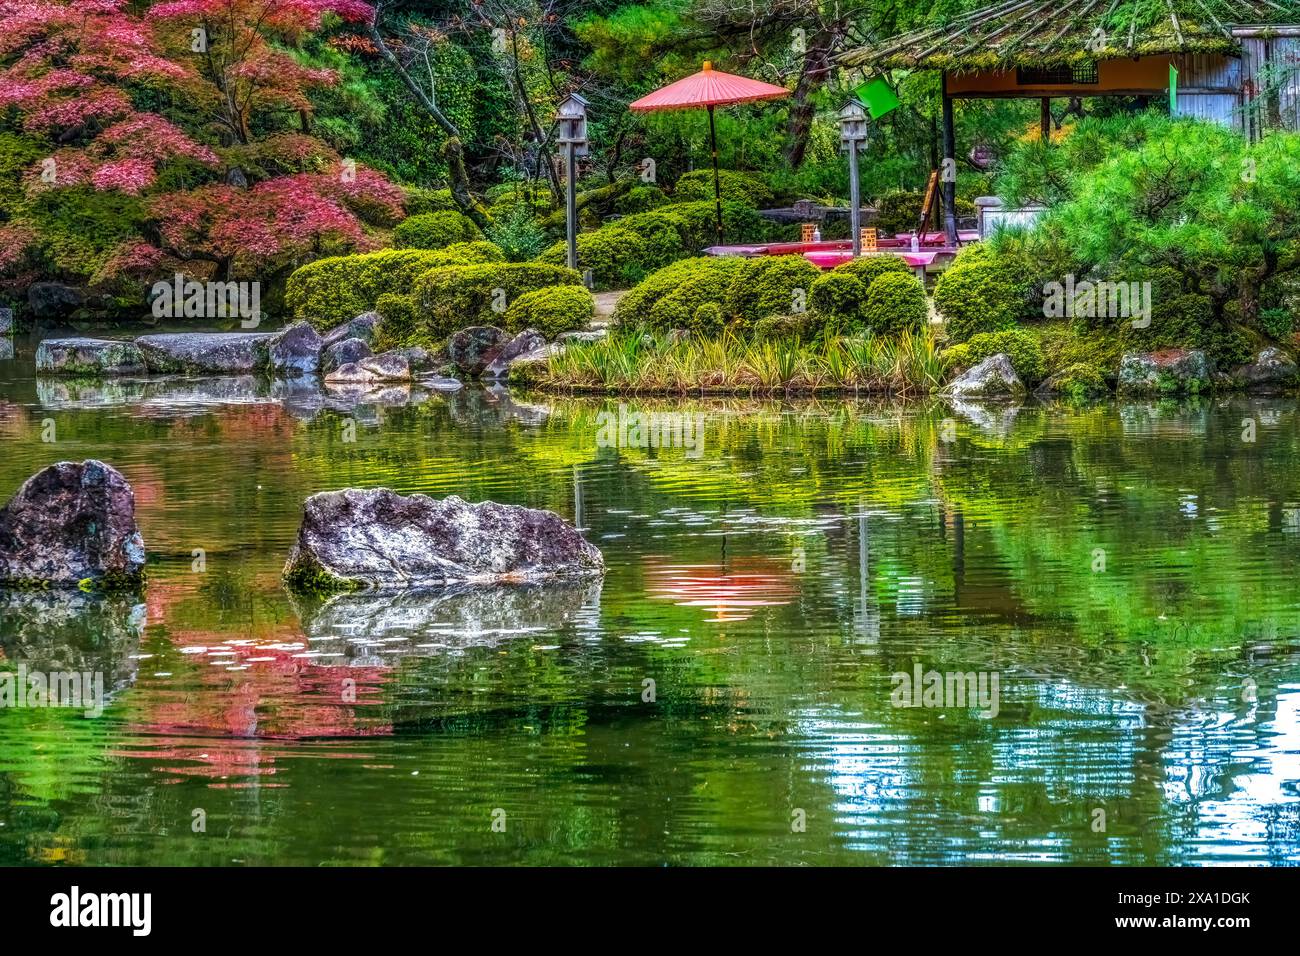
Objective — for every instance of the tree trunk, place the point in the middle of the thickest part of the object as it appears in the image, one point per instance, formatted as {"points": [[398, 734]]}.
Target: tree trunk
{"points": [[816, 68]]}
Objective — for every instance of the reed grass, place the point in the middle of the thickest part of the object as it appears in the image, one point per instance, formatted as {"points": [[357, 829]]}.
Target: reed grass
{"points": [[630, 362]]}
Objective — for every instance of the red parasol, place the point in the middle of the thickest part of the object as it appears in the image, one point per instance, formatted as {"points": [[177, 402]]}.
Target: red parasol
{"points": [[709, 88]]}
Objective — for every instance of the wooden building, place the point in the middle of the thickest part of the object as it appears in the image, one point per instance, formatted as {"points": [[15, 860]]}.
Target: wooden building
{"points": [[1237, 62]]}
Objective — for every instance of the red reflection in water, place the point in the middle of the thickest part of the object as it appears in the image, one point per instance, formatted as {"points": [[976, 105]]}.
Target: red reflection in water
{"points": [[232, 691], [733, 590]]}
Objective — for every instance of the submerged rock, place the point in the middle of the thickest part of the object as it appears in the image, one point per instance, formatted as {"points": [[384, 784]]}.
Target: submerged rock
{"points": [[1171, 370], [1272, 371], [472, 349], [343, 352], [72, 524], [294, 351], [91, 358], [210, 353], [993, 376], [377, 539]]}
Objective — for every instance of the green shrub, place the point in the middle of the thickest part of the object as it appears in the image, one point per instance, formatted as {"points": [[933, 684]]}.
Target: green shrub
{"points": [[838, 296], [518, 233], [703, 279], [742, 188], [708, 320], [453, 297], [1021, 345], [615, 256], [866, 268], [976, 296], [663, 237], [800, 327], [1278, 324], [769, 284], [420, 200], [329, 291], [398, 328], [1080, 381], [741, 223], [639, 199], [894, 303], [565, 308], [435, 230]]}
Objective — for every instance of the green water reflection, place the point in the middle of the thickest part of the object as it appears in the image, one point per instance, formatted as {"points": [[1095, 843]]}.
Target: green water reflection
{"points": [[1128, 571]]}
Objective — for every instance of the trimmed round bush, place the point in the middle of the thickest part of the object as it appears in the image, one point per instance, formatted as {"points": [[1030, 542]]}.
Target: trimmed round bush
{"points": [[767, 285], [615, 256], [741, 223], [838, 296], [1022, 345], [420, 200], [663, 237], [708, 320], [866, 268], [564, 308], [894, 303], [435, 230], [800, 327], [333, 290], [639, 199], [696, 281], [976, 296], [743, 188], [454, 297]]}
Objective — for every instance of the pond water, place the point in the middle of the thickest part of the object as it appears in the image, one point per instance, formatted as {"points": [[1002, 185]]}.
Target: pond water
{"points": [[1127, 572]]}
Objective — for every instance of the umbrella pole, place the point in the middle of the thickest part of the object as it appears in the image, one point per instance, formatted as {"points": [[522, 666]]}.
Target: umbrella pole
{"points": [[717, 186]]}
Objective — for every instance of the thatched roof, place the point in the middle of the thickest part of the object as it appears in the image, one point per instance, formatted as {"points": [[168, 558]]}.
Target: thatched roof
{"points": [[1052, 32]]}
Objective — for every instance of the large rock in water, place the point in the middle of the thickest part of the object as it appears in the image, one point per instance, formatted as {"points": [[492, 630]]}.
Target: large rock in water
{"points": [[210, 353], [364, 327], [72, 524], [473, 348], [526, 342], [991, 377], [91, 358], [1272, 371], [1176, 371], [343, 352], [385, 367], [378, 539], [294, 351]]}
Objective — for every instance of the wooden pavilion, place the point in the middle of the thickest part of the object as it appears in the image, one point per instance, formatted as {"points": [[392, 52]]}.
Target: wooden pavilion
{"points": [[1236, 61]]}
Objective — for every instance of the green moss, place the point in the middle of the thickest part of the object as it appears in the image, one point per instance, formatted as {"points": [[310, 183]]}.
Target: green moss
{"points": [[307, 576]]}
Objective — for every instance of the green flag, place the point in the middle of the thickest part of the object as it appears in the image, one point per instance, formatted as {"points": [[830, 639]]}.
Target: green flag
{"points": [[877, 96], [1173, 89]]}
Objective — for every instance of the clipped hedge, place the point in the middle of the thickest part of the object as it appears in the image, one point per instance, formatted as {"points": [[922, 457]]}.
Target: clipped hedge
{"points": [[743, 188], [634, 308], [565, 308], [453, 297], [768, 285], [329, 291], [977, 296], [615, 255], [696, 303], [837, 297], [435, 230], [894, 303]]}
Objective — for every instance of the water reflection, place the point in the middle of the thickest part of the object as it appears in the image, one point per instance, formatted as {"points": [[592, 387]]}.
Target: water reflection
{"points": [[1121, 566]]}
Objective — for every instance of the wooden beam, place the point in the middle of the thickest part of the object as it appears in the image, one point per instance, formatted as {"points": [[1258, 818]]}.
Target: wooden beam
{"points": [[1045, 118], [949, 153]]}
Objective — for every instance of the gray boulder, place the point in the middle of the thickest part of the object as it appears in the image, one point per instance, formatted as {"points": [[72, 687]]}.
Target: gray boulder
{"points": [[590, 335], [6, 321], [473, 348], [294, 351], [343, 352], [529, 340], [54, 300], [991, 377], [359, 539], [1272, 371], [385, 367], [441, 383], [205, 353], [91, 358], [1177, 371], [364, 327], [72, 524]]}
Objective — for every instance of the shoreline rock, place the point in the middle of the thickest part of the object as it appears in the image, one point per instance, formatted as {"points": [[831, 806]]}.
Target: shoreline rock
{"points": [[89, 358], [72, 524], [992, 377], [375, 539], [206, 353]]}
